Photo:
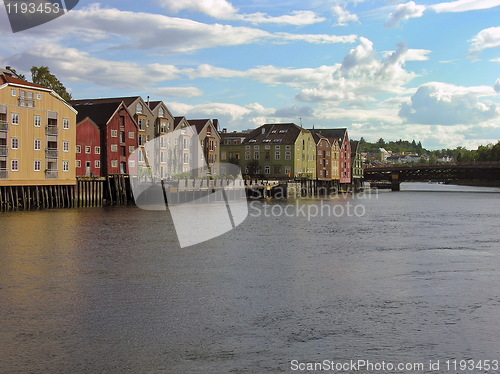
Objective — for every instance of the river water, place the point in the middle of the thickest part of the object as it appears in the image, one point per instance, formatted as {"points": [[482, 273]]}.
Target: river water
{"points": [[394, 277]]}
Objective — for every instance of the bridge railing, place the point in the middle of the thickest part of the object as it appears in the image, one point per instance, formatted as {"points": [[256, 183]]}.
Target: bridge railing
{"points": [[418, 165]]}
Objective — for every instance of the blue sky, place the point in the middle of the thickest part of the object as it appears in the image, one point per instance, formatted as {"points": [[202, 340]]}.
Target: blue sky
{"points": [[423, 70]]}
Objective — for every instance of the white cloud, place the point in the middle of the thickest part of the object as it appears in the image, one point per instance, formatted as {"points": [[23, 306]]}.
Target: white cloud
{"points": [[404, 12], [74, 65], [487, 38], [363, 74], [222, 9], [317, 38], [344, 17], [497, 85], [215, 8], [445, 104], [464, 5], [177, 91]]}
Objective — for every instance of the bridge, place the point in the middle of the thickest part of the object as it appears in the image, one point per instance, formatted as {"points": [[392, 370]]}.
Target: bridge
{"points": [[394, 175]]}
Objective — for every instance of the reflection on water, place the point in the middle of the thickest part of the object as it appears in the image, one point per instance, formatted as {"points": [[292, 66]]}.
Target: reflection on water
{"points": [[110, 291]]}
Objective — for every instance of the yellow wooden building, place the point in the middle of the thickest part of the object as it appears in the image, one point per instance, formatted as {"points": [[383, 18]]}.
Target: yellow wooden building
{"points": [[37, 135]]}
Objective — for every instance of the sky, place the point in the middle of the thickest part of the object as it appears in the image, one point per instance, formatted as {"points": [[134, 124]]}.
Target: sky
{"points": [[423, 70]]}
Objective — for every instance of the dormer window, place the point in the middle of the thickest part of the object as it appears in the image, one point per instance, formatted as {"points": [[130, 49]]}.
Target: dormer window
{"points": [[161, 112], [138, 108]]}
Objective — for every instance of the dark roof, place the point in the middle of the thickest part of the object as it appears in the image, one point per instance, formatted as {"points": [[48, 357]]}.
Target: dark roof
{"points": [[198, 123], [126, 100], [317, 137], [153, 104], [177, 120], [287, 132], [10, 79], [338, 134], [354, 146], [99, 113], [233, 134]]}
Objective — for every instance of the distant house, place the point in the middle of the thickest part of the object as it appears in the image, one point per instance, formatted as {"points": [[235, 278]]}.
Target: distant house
{"points": [[106, 135], [230, 147], [357, 162], [281, 150], [342, 137]]}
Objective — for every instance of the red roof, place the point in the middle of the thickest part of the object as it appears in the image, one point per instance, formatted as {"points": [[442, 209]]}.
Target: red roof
{"points": [[12, 80]]}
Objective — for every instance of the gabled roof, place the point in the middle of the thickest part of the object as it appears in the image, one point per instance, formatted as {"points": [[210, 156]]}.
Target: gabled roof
{"points": [[318, 137], [12, 80], [354, 146], [279, 133], [198, 123], [154, 104], [178, 120], [100, 113], [337, 134]]}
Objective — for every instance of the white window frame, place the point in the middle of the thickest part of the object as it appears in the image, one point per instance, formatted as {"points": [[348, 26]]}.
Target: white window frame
{"points": [[97, 164], [16, 140], [65, 146], [114, 133], [97, 150], [15, 119], [16, 163], [37, 165], [88, 149], [114, 163], [66, 123], [37, 121], [78, 163], [114, 147], [37, 144], [65, 166], [131, 135], [78, 149]]}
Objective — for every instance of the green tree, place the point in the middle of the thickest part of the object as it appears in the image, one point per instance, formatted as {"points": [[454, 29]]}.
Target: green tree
{"points": [[42, 76]]}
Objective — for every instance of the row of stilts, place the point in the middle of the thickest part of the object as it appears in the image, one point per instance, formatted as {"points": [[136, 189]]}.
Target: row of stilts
{"points": [[88, 192]]}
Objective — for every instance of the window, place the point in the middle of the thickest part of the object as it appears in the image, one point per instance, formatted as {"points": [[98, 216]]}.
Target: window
{"points": [[78, 163], [288, 147], [247, 147], [277, 155], [163, 142], [255, 147], [14, 165], [223, 156], [131, 148], [66, 123], [78, 149], [256, 155], [37, 165], [39, 96], [66, 166], [15, 118], [141, 156], [163, 157], [247, 155], [142, 124], [38, 144], [114, 163], [13, 92], [38, 121], [267, 146], [131, 135], [185, 144], [267, 170], [186, 158], [14, 143], [65, 146], [138, 108], [122, 136], [131, 163], [288, 155], [88, 149], [141, 139], [114, 133], [161, 112], [97, 150], [97, 164], [114, 147]]}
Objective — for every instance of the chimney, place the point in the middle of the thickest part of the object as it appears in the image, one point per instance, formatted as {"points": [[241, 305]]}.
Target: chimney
{"points": [[224, 130], [215, 121], [148, 101]]}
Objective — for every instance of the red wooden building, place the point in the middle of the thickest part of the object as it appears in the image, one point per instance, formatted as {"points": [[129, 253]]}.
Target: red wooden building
{"points": [[106, 135]]}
